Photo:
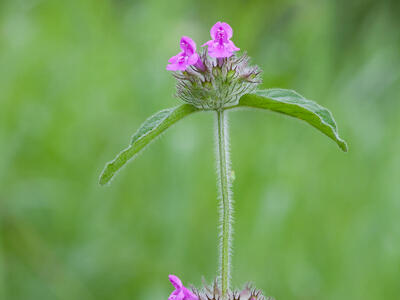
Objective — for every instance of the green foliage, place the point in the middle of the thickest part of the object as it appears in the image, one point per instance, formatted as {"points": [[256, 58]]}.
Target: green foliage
{"points": [[290, 103], [148, 131], [312, 223], [280, 100]]}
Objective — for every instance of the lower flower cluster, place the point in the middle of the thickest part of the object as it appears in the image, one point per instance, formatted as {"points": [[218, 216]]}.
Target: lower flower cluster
{"points": [[248, 293], [213, 292]]}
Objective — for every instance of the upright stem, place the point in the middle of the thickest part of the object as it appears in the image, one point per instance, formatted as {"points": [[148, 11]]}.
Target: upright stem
{"points": [[224, 175], [2, 271]]}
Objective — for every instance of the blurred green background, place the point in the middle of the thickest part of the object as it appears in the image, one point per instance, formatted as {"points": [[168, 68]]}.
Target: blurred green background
{"points": [[78, 77]]}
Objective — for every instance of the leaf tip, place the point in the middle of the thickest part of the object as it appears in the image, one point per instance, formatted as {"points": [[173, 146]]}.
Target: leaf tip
{"points": [[343, 145], [105, 176], [102, 180]]}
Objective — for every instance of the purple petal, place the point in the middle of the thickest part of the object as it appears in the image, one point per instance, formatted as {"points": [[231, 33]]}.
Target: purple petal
{"points": [[221, 26], [177, 66], [193, 59], [232, 47], [178, 62], [176, 282], [173, 67], [177, 295], [187, 45], [209, 43], [181, 292], [219, 51], [174, 59], [189, 295], [228, 29], [214, 29]]}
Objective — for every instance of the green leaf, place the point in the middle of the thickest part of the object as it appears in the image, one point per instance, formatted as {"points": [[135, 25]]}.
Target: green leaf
{"points": [[290, 103], [148, 131]]}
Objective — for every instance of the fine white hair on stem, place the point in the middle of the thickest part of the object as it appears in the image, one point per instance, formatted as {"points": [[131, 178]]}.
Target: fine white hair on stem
{"points": [[225, 196]]}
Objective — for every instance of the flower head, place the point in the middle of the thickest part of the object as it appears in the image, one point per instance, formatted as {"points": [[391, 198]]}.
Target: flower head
{"points": [[221, 46], [220, 84], [216, 77], [181, 292], [188, 56]]}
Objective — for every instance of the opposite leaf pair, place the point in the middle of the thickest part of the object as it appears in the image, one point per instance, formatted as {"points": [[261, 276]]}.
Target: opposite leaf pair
{"points": [[287, 102]]}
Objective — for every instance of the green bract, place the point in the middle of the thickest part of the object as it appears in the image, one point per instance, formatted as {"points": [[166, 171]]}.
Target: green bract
{"points": [[287, 102]]}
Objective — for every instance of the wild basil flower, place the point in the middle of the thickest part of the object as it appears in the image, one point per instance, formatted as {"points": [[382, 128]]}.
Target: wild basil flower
{"points": [[216, 78], [221, 46], [187, 57], [181, 292], [221, 84], [219, 79]]}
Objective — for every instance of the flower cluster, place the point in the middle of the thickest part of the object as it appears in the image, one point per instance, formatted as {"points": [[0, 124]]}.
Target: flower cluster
{"points": [[212, 293], [217, 77]]}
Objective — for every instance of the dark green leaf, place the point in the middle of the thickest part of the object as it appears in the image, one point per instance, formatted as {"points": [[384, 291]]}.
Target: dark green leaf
{"points": [[293, 104], [148, 131]]}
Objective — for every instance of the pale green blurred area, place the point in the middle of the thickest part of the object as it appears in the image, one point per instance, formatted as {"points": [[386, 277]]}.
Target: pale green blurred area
{"points": [[311, 222]]}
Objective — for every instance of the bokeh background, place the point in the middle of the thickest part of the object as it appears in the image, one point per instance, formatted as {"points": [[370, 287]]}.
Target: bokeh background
{"points": [[78, 77]]}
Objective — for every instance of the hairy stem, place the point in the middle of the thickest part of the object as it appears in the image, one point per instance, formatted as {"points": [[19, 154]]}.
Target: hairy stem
{"points": [[2, 269], [224, 175]]}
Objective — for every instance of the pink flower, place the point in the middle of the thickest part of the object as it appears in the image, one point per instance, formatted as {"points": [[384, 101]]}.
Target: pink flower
{"points": [[221, 46], [181, 292], [187, 57]]}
